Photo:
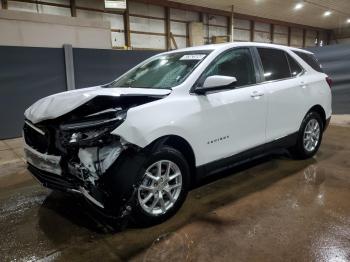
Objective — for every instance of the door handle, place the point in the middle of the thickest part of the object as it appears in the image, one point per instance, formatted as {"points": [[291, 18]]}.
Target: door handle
{"points": [[256, 94], [303, 84]]}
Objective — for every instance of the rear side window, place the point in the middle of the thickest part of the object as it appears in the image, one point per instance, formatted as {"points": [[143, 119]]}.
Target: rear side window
{"points": [[275, 64], [295, 68], [310, 60]]}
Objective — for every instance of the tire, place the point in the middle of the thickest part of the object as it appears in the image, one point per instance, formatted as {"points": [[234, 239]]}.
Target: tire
{"points": [[304, 149], [153, 187]]}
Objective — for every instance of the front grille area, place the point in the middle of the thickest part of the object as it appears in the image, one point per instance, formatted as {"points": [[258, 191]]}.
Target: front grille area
{"points": [[36, 140]]}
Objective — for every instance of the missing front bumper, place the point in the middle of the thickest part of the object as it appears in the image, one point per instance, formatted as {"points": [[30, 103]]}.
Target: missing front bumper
{"points": [[63, 184], [51, 180]]}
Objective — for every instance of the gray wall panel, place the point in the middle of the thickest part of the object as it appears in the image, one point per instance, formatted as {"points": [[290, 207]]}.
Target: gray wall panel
{"points": [[26, 75], [96, 66], [29, 73], [335, 60]]}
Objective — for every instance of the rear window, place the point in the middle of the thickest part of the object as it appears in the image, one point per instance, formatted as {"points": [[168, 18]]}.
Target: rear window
{"points": [[310, 60]]}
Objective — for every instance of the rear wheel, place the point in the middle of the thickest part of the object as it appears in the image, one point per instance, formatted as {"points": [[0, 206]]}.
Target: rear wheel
{"points": [[164, 183], [309, 137]]}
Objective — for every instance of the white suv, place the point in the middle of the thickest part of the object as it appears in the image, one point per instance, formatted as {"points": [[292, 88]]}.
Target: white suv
{"points": [[136, 145]]}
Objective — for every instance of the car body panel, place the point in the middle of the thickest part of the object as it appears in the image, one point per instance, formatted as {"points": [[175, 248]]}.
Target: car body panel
{"points": [[220, 126], [59, 104], [197, 118]]}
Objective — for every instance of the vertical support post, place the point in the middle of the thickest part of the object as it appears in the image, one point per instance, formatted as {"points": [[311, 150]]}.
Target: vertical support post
{"points": [[208, 28], [272, 33], [318, 38], [232, 23], [69, 64], [187, 34], [252, 29], [304, 38], [73, 8], [289, 35], [167, 28], [4, 4], [127, 26], [173, 40], [228, 23], [329, 37], [201, 17]]}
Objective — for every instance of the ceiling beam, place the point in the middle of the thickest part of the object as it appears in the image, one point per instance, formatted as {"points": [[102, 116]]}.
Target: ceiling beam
{"points": [[194, 8]]}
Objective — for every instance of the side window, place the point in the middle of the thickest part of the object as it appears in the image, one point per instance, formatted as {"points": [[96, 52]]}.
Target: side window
{"points": [[295, 68], [274, 63], [236, 63], [310, 60]]}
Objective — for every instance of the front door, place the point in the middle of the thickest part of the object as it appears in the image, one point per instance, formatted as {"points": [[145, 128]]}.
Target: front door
{"points": [[233, 120]]}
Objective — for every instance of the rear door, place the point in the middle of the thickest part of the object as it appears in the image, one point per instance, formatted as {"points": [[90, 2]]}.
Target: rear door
{"points": [[284, 86]]}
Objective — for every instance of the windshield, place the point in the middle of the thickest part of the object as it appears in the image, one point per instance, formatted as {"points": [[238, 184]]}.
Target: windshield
{"points": [[164, 71]]}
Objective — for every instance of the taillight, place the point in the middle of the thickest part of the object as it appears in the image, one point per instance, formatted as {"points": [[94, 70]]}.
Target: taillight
{"points": [[329, 81]]}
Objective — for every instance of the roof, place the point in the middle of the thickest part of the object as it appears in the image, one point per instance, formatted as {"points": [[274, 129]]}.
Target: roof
{"points": [[224, 46]]}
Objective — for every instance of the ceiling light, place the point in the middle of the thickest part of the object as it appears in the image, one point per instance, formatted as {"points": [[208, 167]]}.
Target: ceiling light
{"points": [[348, 21], [327, 13], [298, 6]]}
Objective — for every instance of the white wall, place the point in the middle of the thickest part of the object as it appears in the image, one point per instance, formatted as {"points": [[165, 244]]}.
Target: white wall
{"points": [[342, 35], [146, 32], [41, 30], [41, 9]]}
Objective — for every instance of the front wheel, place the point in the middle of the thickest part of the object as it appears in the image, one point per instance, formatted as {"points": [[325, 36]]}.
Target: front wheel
{"points": [[309, 137], [164, 183]]}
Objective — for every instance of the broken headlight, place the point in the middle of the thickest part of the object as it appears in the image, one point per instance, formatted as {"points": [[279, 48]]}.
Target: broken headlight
{"points": [[91, 130]]}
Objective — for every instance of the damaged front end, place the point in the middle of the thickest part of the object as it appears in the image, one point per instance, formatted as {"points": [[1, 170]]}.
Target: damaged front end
{"points": [[74, 152]]}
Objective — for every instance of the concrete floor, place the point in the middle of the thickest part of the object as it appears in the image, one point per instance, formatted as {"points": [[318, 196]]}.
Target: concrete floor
{"points": [[274, 209]]}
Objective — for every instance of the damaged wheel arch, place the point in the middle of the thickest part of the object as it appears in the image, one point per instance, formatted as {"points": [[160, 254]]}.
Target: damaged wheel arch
{"points": [[183, 146], [126, 172]]}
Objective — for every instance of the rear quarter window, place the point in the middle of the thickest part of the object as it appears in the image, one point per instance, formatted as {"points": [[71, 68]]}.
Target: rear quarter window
{"points": [[310, 60], [275, 64]]}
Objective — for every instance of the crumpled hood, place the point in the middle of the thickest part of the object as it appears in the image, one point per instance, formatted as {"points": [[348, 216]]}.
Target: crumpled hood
{"points": [[59, 104]]}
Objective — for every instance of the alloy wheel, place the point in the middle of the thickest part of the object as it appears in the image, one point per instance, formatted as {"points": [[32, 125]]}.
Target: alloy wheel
{"points": [[311, 135], [160, 187]]}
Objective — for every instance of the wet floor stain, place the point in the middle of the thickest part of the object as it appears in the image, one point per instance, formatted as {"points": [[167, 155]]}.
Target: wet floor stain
{"points": [[272, 209]]}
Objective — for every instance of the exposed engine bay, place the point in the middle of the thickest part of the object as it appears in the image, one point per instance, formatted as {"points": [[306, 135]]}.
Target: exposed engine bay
{"points": [[78, 147]]}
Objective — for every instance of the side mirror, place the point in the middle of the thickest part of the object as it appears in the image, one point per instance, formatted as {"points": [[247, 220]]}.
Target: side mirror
{"points": [[216, 82]]}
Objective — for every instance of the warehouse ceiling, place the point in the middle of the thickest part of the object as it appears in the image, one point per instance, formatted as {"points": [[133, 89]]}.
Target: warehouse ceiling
{"points": [[308, 12]]}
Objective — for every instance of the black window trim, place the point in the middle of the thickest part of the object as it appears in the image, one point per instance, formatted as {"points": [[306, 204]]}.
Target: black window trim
{"points": [[262, 68], [290, 68], [312, 56], [255, 65]]}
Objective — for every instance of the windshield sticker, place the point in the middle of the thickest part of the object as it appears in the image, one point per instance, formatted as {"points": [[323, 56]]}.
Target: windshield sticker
{"points": [[193, 57]]}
